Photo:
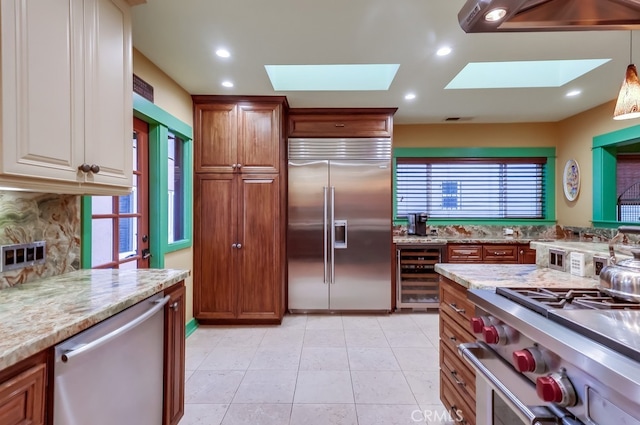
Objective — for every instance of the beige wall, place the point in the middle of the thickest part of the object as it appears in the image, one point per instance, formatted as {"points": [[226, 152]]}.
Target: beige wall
{"points": [[576, 139], [172, 98], [475, 135]]}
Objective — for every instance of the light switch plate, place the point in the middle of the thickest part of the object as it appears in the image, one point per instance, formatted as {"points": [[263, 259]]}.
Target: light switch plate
{"points": [[17, 256]]}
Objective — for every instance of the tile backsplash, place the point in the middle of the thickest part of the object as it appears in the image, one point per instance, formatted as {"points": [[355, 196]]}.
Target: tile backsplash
{"points": [[28, 217]]}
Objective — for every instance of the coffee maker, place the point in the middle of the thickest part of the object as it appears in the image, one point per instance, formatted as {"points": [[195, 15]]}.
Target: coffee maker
{"points": [[417, 224], [421, 223]]}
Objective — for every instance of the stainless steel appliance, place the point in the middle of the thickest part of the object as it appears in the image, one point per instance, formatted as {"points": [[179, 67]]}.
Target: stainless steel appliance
{"points": [[555, 356], [417, 282], [548, 15], [112, 373], [421, 224], [339, 232]]}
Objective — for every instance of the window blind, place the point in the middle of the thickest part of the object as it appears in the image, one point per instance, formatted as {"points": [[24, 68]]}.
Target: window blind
{"points": [[471, 188]]}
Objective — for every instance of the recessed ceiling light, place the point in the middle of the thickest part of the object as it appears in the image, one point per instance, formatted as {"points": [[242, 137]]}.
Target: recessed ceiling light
{"points": [[227, 84], [443, 51], [223, 53], [573, 93], [409, 96], [495, 14]]}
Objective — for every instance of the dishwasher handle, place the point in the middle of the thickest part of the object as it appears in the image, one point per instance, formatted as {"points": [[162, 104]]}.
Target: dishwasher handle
{"points": [[83, 348]]}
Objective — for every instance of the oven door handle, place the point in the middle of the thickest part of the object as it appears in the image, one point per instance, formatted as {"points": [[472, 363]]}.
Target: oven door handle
{"points": [[533, 415]]}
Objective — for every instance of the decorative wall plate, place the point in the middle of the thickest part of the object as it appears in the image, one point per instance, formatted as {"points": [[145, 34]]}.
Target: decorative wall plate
{"points": [[571, 180]]}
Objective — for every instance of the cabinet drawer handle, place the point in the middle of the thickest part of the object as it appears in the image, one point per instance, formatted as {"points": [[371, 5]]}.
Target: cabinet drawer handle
{"points": [[95, 169], [456, 309], [452, 339], [499, 253], [454, 375], [340, 125], [85, 168], [467, 252]]}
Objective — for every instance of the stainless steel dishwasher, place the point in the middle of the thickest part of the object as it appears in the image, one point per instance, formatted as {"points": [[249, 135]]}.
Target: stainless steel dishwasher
{"points": [[112, 372]]}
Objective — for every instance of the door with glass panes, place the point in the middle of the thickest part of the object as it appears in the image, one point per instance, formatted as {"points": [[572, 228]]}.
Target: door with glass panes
{"points": [[120, 224]]}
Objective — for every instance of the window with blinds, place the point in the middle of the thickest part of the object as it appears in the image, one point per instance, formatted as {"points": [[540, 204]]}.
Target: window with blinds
{"points": [[628, 187], [471, 188]]}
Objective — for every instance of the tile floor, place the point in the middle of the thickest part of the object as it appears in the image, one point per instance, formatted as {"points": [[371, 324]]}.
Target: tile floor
{"points": [[316, 370]]}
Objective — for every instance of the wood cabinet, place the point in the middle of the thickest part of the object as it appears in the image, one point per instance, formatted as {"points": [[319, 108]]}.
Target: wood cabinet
{"points": [[174, 355], [238, 135], [491, 253], [240, 214], [350, 122], [457, 378], [23, 392], [66, 96]]}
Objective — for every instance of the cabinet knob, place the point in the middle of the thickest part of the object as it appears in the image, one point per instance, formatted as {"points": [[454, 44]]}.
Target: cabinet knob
{"points": [[235, 245], [85, 168], [234, 166], [239, 245], [239, 165], [521, 251], [95, 169], [174, 306]]}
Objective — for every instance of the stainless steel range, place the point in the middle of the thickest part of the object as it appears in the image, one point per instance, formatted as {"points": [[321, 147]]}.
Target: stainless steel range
{"points": [[555, 356]]}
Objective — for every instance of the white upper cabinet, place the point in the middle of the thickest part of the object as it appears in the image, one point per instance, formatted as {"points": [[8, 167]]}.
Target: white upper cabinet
{"points": [[66, 96]]}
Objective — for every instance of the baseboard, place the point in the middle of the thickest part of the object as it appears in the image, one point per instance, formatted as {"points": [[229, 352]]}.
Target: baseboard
{"points": [[191, 327]]}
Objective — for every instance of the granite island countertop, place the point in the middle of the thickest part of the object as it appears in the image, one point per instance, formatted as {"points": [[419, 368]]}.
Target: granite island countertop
{"points": [[490, 276], [37, 315]]}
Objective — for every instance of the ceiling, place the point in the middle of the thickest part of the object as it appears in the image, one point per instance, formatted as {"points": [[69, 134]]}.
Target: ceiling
{"points": [[180, 37]]}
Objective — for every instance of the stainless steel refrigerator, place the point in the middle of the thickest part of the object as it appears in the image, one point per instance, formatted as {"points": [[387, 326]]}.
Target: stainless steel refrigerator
{"points": [[339, 232]]}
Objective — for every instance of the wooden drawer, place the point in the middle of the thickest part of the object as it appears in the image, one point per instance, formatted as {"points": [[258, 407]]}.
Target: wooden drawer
{"points": [[500, 253], [328, 123], [461, 375], [458, 408], [452, 334], [454, 302], [464, 253]]}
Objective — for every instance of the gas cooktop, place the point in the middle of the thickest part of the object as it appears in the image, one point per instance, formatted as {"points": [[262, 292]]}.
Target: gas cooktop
{"points": [[610, 321]]}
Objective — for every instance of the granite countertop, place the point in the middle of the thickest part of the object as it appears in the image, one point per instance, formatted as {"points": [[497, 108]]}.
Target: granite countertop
{"points": [[490, 276], [467, 240], [598, 248], [40, 314]]}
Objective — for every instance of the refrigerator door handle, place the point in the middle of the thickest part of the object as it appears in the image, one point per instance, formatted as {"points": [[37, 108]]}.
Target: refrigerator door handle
{"points": [[324, 234], [333, 235]]}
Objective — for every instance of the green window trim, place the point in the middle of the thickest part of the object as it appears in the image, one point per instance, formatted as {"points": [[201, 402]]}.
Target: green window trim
{"points": [[549, 182], [160, 124], [604, 151]]}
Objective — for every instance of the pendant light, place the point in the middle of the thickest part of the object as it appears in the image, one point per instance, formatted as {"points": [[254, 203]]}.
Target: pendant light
{"points": [[628, 104]]}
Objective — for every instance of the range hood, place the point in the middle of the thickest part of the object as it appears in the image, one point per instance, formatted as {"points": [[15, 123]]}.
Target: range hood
{"points": [[551, 15]]}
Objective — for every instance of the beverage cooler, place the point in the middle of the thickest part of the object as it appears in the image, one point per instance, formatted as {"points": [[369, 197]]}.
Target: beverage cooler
{"points": [[417, 282]]}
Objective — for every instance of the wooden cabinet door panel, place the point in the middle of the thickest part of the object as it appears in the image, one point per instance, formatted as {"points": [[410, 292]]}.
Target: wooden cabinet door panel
{"points": [[216, 137], [22, 397], [259, 273], [259, 137], [214, 291], [42, 136], [340, 125], [526, 255], [500, 253], [108, 121], [464, 253], [174, 355]]}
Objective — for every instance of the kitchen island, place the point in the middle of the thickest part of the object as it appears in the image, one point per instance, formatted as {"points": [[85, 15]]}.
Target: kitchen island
{"points": [[457, 377]]}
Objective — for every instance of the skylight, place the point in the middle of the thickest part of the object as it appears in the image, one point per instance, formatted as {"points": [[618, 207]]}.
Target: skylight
{"points": [[520, 74], [331, 77]]}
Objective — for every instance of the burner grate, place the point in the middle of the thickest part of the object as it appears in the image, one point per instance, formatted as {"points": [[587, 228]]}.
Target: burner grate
{"points": [[542, 300]]}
